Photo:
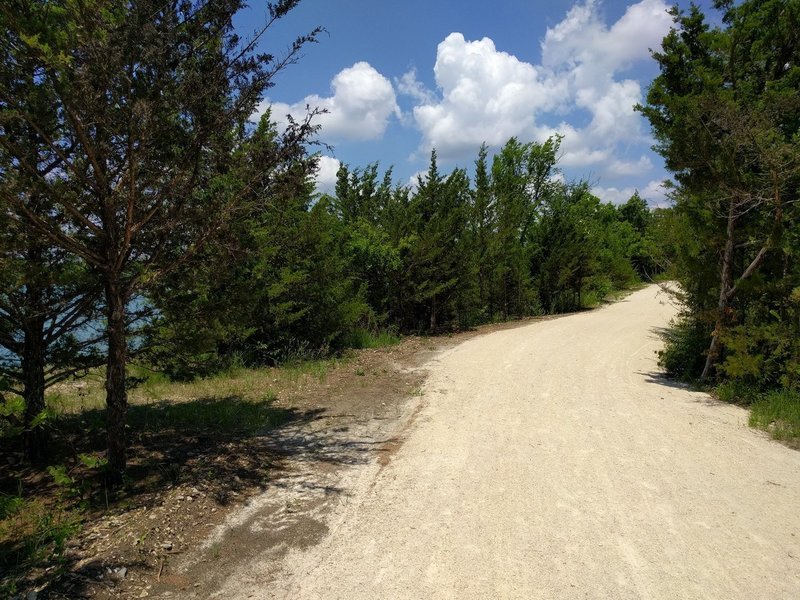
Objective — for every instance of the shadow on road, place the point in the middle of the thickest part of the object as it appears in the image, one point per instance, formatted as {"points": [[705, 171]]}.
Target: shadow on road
{"points": [[699, 396]]}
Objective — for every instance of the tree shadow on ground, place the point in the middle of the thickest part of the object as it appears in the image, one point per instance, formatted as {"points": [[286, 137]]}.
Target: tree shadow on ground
{"points": [[226, 447], [698, 395]]}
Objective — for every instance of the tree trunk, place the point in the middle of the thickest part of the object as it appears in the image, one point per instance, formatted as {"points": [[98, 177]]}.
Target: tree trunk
{"points": [[33, 363], [34, 350], [725, 284], [116, 394]]}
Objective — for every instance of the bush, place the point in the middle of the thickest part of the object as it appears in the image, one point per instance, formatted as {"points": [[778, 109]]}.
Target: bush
{"points": [[765, 353], [685, 344]]}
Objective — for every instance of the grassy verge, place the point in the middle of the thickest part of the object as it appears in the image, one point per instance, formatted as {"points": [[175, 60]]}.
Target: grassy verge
{"points": [[778, 413], [246, 385], [364, 338]]}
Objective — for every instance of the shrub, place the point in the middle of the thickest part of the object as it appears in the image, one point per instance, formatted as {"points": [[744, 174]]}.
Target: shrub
{"points": [[685, 343]]}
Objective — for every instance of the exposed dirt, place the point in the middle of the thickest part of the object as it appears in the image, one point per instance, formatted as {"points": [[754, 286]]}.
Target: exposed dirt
{"points": [[204, 503]]}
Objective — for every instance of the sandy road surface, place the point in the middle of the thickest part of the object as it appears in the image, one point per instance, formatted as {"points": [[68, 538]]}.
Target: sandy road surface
{"points": [[550, 461]]}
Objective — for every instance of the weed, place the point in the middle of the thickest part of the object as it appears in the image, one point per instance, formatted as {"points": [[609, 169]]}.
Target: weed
{"points": [[685, 341], [215, 551], [32, 533], [140, 540], [78, 484], [779, 413], [317, 369]]}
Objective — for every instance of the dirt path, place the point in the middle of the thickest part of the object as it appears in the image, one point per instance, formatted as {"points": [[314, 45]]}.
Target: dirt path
{"points": [[551, 461]]}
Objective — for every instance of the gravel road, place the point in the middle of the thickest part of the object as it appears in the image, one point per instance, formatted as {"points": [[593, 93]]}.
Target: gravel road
{"points": [[552, 461]]}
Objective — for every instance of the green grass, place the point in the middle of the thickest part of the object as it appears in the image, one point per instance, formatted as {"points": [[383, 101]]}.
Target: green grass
{"points": [[152, 388], [32, 533], [222, 415], [364, 338], [736, 392], [294, 371], [778, 412]]}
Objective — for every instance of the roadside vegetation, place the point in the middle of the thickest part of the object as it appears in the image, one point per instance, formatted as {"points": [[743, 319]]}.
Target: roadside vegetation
{"points": [[176, 234], [166, 265], [725, 112]]}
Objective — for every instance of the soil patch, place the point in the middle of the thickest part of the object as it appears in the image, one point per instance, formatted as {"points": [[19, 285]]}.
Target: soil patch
{"points": [[200, 503]]}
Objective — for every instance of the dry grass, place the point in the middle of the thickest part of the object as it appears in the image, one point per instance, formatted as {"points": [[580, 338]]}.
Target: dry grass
{"points": [[247, 385]]}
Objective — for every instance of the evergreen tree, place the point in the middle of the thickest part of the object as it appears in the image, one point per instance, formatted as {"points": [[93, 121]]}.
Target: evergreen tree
{"points": [[725, 111], [482, 228], [149, 99]]}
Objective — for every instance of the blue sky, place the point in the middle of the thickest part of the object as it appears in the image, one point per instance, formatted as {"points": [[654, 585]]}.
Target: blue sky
{"points": [[401, 77]]}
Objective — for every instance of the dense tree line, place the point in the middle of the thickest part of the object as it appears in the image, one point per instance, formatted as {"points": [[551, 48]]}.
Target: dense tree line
{"points": [[145, 216], [725, 111], [304, 274]]}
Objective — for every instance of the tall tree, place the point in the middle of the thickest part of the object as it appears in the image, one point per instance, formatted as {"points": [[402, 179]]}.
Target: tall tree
{"points": [[725, 111], [482, 222], [151, 97], [522, 179]]}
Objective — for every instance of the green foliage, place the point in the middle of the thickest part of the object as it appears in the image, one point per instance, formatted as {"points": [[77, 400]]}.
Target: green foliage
{"points": [[765, 348], [738, 392], [223, 415], [12, 408], [725, 111], [127, 146], [684, 343], [364, 338], [32, 533], [778, 412]]}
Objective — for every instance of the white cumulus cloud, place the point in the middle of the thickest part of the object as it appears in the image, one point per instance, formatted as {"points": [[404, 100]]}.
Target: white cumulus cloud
{"points": [[486, 95], [326, 174], [654, 193], [360, 107], [582, 36]]}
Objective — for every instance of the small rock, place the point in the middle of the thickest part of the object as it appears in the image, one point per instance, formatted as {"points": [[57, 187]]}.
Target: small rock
{"points": [[167, 545], [32, 596]]}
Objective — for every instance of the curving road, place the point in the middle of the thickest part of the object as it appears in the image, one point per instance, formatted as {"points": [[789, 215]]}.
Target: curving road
{"points": [[551, 461]]}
